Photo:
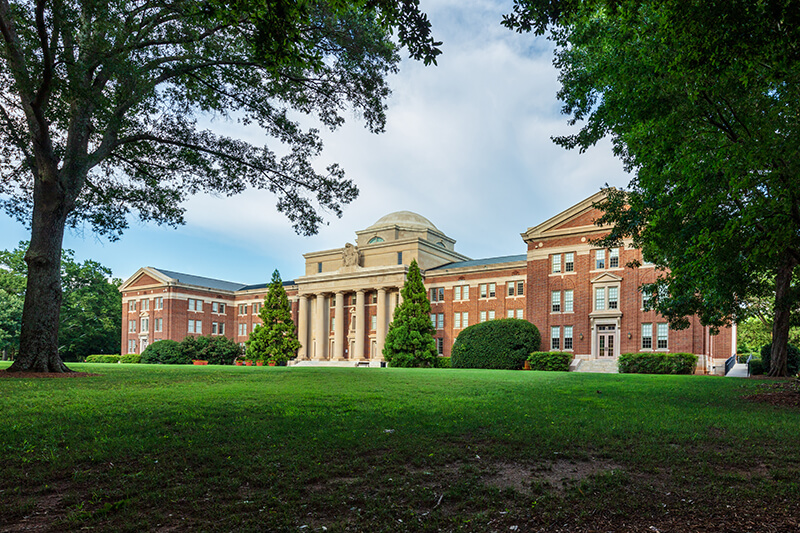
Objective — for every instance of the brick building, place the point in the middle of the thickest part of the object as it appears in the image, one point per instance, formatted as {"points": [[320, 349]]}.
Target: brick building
{"points": [[582, 298]]}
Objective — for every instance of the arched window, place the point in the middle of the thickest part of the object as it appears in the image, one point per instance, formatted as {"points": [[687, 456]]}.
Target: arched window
{"points": [[375, 240]]}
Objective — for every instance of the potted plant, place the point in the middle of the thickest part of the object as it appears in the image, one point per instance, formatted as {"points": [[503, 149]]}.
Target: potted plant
{"points": [[271, 362], [260, 362], [199, 362], [248, 362]]}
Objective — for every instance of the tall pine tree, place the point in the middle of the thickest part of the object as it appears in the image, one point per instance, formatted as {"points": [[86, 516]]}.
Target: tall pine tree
{"points": [[409, 341], [276, 338]]}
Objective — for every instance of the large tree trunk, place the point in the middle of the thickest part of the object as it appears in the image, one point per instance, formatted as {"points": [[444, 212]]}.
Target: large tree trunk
{"points": [[780, 326], [38, 346]]}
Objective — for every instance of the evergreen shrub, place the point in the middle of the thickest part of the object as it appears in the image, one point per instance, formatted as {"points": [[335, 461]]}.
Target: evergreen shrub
{"points": [[552, 361], [657, 363], [443, 362], [100, 358], [498, 344], [409, 341], [792, 358], [130, 358], [756, 367], [216, 349], [165, 352]]}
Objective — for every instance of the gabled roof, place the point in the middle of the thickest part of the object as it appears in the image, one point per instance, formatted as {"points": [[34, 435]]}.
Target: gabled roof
{"points": [[152, 276], [200, 281], [482, 262], [568, 221]]}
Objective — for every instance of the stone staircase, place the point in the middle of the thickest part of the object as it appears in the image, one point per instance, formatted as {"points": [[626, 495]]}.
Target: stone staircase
{"points": [[339, 364], [604, 366]]}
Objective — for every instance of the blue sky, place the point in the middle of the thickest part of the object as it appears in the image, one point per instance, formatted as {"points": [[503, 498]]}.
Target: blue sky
{"points": [[467, 145]]}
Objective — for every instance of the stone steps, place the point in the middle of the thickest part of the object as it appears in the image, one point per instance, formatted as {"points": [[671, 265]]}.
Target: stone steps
{"points": [[339, 364], [602, 366]]}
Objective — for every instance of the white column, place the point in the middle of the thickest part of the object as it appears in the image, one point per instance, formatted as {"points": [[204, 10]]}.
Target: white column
{"points": [[380, 334], [393, 303], [338, 332], [302, 327], [358, 353], [320, 329]]}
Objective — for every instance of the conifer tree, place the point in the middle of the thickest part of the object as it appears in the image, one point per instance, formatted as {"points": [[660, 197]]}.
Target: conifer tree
{"points": [[276, 338], [409, 341]]}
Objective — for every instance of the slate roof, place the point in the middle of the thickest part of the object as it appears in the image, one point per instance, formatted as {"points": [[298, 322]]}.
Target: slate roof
{"points": [[212, 283], [482, 262], [200, 281]]}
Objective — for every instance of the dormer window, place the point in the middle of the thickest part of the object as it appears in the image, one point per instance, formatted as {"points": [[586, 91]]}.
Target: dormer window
{"points": [[375, 240], [440, 243]]}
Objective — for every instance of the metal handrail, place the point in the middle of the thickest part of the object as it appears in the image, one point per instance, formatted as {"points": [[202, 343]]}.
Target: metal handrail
{"points": [[729, 362], [749, 357]]}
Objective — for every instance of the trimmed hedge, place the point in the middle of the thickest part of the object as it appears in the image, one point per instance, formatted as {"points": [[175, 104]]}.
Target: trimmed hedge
{"points": [[166, 352], [442, 362], [756, 367], [98, 358], [216, 349], [657, 363], [497, 344], [550, 361], [792, 358], [130, 358]]}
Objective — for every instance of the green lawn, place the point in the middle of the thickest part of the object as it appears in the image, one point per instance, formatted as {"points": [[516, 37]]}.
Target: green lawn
{"points": [[298, 449]]}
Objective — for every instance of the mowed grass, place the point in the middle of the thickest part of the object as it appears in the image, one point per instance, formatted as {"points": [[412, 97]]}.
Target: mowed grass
{"points": [[310, 449]]}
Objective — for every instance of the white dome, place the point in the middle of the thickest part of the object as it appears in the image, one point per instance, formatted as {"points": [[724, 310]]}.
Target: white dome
{"points": [[403, 219]]}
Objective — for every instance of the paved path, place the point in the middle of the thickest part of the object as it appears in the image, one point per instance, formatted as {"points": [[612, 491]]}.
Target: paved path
{"points": [[739, 370]]}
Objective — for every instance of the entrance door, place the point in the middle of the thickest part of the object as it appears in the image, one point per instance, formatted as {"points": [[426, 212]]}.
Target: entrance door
{"points": [[605, 341]]}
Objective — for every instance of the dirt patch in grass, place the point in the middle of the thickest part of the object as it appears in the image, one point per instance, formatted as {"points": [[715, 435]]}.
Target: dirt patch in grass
{"points": [[557, 474], [7, 374], [779, 393]]}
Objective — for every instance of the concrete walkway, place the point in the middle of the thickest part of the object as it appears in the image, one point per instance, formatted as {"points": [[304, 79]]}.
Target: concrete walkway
{"points": [[739, 370]]}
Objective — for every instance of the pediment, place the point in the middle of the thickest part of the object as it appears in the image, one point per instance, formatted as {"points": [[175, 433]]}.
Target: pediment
{"points": [[607, 277], [145, 277], [577, 219]]}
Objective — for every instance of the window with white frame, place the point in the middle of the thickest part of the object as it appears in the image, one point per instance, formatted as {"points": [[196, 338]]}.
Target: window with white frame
{"points": [[491, 315], [132, 346], [483, 288], [456, 320], [191, 326], [214, 328], [374, 297], [568, 299], [440, 321], [645, 299], [483, 316], [662, 336], [520, 288], [613, 297], [222, 308], [373, 322], [465, 292], [556, 262], [510, 313], [131, 306], [555, 301], [131, 326], [242, 329], [195, 305], [159, 303], [613, 258], [145, 325], [511, 287], [519, 314], [568, 337], [439, 345], [333, 323], [257, 308], [437, 294], [555, 337], [158, 325], [145, 304], [433, 320], [599, 259], [457, 292], [198, 326], [242, 309], [516, 288], [569, 262], [599, 298], [647, 336], [214, 308], [222, 328], [491, 290]]}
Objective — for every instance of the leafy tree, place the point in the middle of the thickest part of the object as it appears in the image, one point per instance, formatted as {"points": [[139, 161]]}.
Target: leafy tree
{"points": [[276, 338], [700, 101], [409, 341], [216, 349], [90, 321], [166, 352], [100, 103]]}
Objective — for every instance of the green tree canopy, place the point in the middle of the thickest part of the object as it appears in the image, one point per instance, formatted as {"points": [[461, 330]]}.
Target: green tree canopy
{"points": [[409, 341], [700, 101], [276, 338], [90, 318], [101, 101]]}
